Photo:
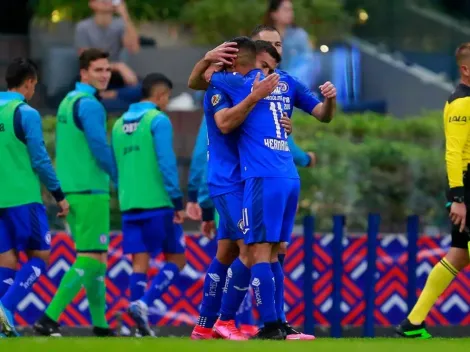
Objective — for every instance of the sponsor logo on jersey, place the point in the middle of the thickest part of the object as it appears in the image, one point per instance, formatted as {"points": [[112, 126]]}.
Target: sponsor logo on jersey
{"points": [[215, 99], [458, 119]]}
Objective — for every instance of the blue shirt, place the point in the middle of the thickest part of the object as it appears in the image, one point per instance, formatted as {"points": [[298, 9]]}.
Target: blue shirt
{"points": [[223, 166], [90, 117], [28, 129], [198, 162], [162, 132], [263, 147]]}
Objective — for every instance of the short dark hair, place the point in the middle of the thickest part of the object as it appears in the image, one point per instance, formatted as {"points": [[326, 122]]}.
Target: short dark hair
{"points": [[246, 48], [152, 80], [90, 55], [20, 70], [263, 46], [262, 28]]}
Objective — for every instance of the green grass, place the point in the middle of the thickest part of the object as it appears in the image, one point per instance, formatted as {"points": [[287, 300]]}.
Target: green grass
{"points": [[185, 344]]}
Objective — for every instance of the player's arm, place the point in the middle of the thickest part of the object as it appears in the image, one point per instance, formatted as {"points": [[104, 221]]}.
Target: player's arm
{"points": [[28, 126], [301, 158], [229, 119], [162, 132], [92, 120], [306, 101], [224, 53]]}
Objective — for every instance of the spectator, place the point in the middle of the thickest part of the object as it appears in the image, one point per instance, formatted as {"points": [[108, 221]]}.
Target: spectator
{"points": [[297, 57], [112, 34]]}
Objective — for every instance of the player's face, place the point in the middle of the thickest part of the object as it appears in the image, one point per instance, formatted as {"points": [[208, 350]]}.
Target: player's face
{"points": [[101, 6], [266, 63], [284, 15], [164, 98], [273, 37], [30, 88], [98, 74]]}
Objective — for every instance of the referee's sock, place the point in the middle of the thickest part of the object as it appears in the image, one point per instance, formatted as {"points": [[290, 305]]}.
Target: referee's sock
{"points": [[7, 277], [438, 280]]}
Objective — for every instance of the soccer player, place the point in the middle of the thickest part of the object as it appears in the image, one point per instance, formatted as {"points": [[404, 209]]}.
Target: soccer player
{"points": [[149, 195], [270, 192], [226, 191], [23, 219], [457, 133], [84, 166]]}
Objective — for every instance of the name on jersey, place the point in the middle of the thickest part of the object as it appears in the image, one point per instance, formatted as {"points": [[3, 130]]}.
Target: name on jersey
{"points": [[276, 144], [458, 119], [130, 127]]}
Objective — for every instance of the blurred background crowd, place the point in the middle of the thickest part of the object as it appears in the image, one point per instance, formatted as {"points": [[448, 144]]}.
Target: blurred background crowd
{"points": [[392, 62]]}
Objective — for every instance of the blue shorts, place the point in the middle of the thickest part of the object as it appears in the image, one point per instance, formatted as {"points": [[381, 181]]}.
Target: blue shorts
{"points": [[269, 208], [24, 228], [229, 207], [152, 232]]}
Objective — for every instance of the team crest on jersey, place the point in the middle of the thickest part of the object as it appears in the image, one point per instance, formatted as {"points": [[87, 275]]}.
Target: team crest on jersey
{"points": [[215, 99], [283, 87]]}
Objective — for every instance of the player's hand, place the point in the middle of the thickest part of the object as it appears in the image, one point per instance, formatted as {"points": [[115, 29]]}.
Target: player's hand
{"points": [[225, 53], [193, 211], [261, 89], [208, 228], [458, 214], [211, 70], [179, 217], [286, 123], [328, 90], [313, 159], [64, 208]]}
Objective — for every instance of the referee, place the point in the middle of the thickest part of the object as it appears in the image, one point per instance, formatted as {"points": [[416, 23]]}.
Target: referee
{"points": [[457, 128]]}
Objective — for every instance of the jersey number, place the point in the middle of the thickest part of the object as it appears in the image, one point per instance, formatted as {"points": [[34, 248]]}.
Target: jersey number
{"points": [[276, 109]]}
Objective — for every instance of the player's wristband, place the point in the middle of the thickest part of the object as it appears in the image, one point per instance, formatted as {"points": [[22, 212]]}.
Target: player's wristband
{"points": [[208, 214], [177, 203], [58, 195], [456, 194], [192, 196]]}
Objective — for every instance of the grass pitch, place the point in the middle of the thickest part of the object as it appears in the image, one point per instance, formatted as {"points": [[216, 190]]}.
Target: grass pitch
{"points": [[31, 344]]}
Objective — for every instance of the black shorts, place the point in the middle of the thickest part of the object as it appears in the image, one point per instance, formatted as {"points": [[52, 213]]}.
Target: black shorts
{"points": [[461, 239]]}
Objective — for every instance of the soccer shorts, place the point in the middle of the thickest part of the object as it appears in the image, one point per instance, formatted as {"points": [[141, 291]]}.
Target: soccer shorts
{"points": [[152, 233], [229, 208], [24, 227], [89, 221], [269, 208]]}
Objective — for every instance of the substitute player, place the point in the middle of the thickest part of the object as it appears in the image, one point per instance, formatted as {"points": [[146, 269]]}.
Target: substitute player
{"points": [[457, 133], [84, 164], [23, 219], [149, 195]]}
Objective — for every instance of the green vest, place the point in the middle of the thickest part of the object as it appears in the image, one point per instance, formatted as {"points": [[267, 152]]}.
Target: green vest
{"points": [[76, 167], [140, 183], [20, 184]]}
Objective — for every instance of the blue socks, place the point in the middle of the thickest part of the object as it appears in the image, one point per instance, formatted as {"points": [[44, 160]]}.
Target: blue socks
{"points": [[236, 288], [23, 283], [245, 313], [212, 293], [279, 293], [262, 281], [167, 275], [138, 285], [7, 277], [280, 258]]}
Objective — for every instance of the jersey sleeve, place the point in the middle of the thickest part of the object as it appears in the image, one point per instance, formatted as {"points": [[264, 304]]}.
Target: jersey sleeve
{"points": [[219, 100], [304, 99], [457, 131], [228, 82], [301, 158]]}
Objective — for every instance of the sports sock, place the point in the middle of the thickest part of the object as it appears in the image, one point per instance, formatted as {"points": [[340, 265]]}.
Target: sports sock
{"points": [[95, 286], [167, 275], [23, 283], [236, 287], [7, 277], [69, 287], [245, 313], [438, 280], [262, 281], [279, 293], [138, 285], [281, 258], [212, 293]]}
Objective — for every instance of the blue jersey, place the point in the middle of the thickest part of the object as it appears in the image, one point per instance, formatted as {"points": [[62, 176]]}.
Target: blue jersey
{"points": [[223, 166], [263, 147], [295, 94]]}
